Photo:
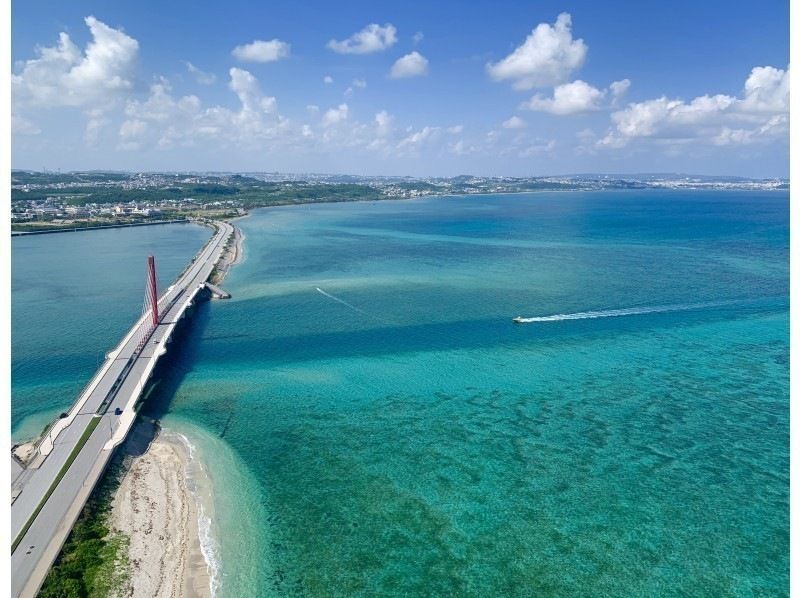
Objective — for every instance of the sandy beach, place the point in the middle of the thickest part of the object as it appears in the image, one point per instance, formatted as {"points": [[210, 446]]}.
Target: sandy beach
{"points": [[156, 509], [156, 504], [232, 256], [238, 246]]}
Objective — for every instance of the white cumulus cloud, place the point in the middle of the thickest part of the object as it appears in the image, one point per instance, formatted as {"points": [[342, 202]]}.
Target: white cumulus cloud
{"points": [[761, 114], [63, 75], [164, 121], [335, 116], [357, 84], [538, 148], [132, 129], [327, 79], [372, 38], [245, 86], [383, 123], [569, 98], [200, 76], [413, 64], [577, 97], [414, 140], [262, 51], [619, 88], [766, 90], [547, 57], [461, 148], [515, 122], [95, 126]]}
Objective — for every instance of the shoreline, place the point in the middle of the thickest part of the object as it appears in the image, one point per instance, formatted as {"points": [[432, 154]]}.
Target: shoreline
{"points": [[78, 229], [159, 507], [491, 193], [288, 203], [164, 503], [233, 255]]}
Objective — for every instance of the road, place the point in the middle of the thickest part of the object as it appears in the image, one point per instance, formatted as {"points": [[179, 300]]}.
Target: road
{"points": [[117, 384]]}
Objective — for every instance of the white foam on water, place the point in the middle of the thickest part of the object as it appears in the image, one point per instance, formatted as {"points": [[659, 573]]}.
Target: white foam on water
{"points": [[616, 313], [208, 547], [208, 544]]}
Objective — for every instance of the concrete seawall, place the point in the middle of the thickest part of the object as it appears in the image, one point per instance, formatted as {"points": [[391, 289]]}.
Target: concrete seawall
{"points": [[77, 229]]}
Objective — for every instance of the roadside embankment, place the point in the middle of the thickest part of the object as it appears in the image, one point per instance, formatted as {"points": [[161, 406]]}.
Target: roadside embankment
{"points": [[159, 505], [232, 255]]}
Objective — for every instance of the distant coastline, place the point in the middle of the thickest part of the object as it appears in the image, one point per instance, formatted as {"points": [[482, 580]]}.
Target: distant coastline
{"points": [[47, 202], [199, 215]]}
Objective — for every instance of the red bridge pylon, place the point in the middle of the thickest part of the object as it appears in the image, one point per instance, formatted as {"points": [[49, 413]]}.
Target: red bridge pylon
{"points": [[150, 305]]}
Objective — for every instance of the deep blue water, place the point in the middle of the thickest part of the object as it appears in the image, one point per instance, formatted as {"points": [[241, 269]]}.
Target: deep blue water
{"points": [[375, 424]]}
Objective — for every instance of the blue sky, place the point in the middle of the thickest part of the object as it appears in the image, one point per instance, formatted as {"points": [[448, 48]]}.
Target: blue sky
{"points": [[500, 88]]}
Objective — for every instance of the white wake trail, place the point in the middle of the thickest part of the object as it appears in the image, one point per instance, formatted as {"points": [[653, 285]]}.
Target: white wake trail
{"points": [[616, 313], [343, 302]]}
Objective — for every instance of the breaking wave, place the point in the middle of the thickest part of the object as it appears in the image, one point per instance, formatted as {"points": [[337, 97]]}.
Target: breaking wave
{"points": [[208, 544]]}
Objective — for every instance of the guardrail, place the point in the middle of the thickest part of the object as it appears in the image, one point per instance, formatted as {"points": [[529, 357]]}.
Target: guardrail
{"points": [[106, 364], [72, 456]]}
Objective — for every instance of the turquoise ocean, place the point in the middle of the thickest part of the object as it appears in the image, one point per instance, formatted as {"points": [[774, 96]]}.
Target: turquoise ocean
{"points": [[374, 423], [73, 298]]}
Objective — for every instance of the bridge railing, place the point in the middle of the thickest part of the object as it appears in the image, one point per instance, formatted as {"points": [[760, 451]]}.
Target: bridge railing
{"points": [[102, 369]]}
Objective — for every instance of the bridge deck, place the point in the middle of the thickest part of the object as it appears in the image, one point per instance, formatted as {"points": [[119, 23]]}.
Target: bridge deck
{"points": [[40, 523]]}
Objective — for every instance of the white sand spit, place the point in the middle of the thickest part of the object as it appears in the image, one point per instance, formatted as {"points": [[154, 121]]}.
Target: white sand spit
{"points": [[156, 510]]}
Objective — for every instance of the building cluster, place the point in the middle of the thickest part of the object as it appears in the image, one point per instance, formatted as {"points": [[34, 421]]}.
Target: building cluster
{"points": [[57, 198], [90, 181], [54, 209], [57, 210]]}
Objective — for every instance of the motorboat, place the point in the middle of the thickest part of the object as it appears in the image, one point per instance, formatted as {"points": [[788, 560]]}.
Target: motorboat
{"points": [[518, 320]]}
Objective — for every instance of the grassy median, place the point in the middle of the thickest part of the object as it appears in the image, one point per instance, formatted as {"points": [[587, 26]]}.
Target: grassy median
{"points": [[72, 456], [93, 561]]}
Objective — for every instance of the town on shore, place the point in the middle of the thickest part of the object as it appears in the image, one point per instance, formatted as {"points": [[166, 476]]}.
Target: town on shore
{"points": [[42, 201]]}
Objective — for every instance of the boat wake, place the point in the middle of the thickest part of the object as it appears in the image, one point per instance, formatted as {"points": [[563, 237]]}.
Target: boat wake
{"points": [[343, 302], [617, 313]]}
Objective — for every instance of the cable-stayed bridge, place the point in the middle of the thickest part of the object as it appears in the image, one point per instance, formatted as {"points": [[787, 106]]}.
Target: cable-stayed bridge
{"points": [[49, 493]]}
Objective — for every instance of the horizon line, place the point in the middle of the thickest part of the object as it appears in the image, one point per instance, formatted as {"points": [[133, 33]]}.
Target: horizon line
{"points": [[399, 176]]}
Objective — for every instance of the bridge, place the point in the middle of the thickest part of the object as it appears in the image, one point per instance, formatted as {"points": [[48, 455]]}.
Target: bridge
{"points": [[49, 493]]}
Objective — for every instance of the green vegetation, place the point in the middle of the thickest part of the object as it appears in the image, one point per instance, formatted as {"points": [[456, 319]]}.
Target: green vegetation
{"points": [[26, 177], [93, 561], [274, 194], [222, 191], [246, 192], [220, 196], [78, 196], [72, 456]]}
